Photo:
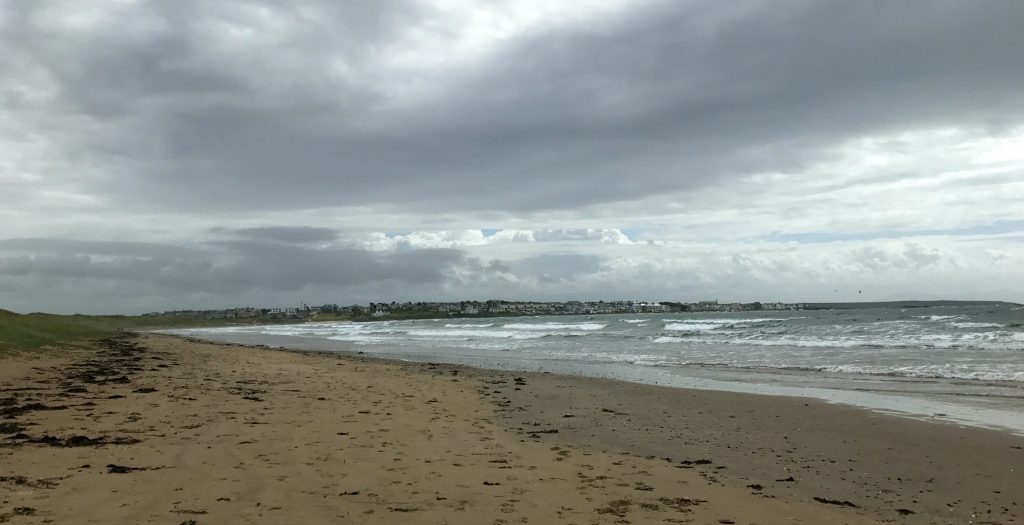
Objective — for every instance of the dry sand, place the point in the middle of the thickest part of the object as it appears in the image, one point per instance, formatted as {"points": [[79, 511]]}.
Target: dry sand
{"points": [[157, 429]]}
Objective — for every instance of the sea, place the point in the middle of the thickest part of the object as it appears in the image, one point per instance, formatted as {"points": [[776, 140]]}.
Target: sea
{"points": [[962, 364]]}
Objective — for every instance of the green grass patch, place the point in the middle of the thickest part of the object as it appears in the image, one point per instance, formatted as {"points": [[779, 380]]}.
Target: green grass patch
{"points": [[33, 331], [21, 332]]}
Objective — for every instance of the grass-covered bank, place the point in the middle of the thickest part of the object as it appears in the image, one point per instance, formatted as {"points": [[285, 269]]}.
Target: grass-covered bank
{"points": [[35, 331]]}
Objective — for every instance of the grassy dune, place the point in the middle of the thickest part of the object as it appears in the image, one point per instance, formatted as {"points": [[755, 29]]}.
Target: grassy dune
{"points": [[40, 331], [27, 332]]}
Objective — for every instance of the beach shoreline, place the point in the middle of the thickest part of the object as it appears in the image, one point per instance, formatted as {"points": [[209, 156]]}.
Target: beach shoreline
{"points": [[230, 430], [982, 404], [787, 445]]}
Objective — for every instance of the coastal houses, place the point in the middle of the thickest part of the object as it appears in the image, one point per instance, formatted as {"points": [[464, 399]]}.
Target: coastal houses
{"points": [[492, 307]]}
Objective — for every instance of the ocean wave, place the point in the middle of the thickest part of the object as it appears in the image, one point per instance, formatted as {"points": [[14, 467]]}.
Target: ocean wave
{"points": [[917, 372], [357, 339], [928, 371], [555, 326], [488, 334], [971, 346], [939, 317], [976, 341], [977, 325], [754, 320], [691, 327]]}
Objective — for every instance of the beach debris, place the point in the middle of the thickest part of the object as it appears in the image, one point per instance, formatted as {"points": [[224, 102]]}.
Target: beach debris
{"points": [[144, 390], [83, 441], [43, 483], [349, 493], [196, 512], [122, 469], [10, 428], [15, 411], [904, 512], [492, 483], [17, 511], [841, 503], [188, 522], [680, 504], [786, 479], [72, 441], [618, 507], [755, 486]]}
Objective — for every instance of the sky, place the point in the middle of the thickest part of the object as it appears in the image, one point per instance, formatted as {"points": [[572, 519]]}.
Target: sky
{"points": [[196, 154]]}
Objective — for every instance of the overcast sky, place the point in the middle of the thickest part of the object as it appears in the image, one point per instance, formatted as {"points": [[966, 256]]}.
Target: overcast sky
{"points": [[165, 155]]}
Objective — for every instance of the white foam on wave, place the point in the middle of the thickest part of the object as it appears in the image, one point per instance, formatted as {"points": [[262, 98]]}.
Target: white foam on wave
{"points": [[358, 339], [488, 334], [634, 321], [468, 325], [667, 339], [930, 371], [939, 317], [691, 327], [976, 325], [732, 320], [1000, 341], [555, 326]]}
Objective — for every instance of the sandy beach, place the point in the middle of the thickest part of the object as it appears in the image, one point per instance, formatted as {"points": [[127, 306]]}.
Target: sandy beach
{"points": [[160, 429]]}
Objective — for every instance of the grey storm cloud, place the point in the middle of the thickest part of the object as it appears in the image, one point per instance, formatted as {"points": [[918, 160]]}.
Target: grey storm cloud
{"points": [[246, 152], [285, 234], [556, 267], [232, 267], [669, 96], [104, 248]]}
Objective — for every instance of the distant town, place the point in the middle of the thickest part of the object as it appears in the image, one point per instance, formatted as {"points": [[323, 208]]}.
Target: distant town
{"points": [[492, 308]]}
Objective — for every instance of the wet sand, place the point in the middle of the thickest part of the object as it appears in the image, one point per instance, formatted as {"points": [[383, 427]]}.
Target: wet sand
{"points": [[792, 449], [159, 429]]}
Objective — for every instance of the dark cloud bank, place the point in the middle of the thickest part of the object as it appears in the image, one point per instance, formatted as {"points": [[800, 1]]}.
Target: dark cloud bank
{"points": [[211, 274], [664, 97], [200, 109]]}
